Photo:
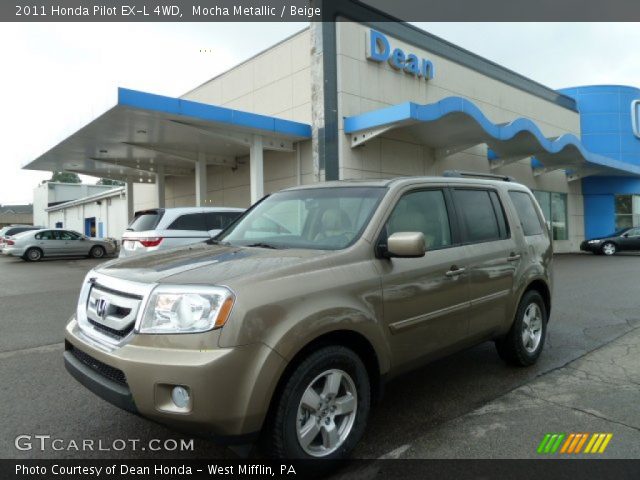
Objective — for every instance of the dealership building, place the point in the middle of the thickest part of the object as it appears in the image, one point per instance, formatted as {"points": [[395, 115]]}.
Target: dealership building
{"points": [[362, 100]]}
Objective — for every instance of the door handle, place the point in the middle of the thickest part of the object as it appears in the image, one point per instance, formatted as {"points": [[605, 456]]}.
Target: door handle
{"points": [[455, 271], [513, 257]]}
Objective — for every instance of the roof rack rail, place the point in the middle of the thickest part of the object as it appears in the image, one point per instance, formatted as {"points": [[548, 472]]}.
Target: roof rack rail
{"points": [[462, 174]]}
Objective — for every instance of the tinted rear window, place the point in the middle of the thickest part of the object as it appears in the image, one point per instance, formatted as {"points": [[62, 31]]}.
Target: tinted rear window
{"points": [[190, 221], [147, 220], [220, 220], [16, 230], [479, 217], [527, 214]]}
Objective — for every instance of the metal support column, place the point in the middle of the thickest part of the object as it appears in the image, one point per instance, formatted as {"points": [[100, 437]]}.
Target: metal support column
{"points": [[201, 181], [129, 201], [256, 169], [160, 190]]}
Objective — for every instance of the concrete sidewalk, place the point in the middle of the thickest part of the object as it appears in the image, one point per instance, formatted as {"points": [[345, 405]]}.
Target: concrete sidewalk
{"points": [[598, 392]]}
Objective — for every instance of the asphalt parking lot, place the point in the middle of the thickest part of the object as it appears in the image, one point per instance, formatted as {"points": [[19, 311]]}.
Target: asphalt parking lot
{"points": [[596, 304]]}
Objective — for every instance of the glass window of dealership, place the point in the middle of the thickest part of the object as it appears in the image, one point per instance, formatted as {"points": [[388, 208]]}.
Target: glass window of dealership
{"points": [[370, 103]]}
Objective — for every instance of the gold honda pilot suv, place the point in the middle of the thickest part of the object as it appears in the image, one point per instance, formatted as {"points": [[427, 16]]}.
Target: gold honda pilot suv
{"points": [[290, 320]]}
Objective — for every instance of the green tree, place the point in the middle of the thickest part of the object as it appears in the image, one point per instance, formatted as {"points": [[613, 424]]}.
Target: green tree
{"points": [[65, 177], [108, 181]]}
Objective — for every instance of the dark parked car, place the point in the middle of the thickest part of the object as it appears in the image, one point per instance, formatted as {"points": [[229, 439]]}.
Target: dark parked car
{"points": [[625, 239]]}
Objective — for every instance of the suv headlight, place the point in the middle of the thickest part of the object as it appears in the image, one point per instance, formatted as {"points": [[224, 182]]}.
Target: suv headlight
{"points": [[186, 309], [594, 241]]}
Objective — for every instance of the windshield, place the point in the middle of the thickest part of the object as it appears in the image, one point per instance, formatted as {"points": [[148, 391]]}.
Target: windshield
{"points": [[617, 233], [318, 218]]}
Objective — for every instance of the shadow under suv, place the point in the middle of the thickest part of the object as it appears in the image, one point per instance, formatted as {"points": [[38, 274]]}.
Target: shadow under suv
{"points": [[288, 322]]}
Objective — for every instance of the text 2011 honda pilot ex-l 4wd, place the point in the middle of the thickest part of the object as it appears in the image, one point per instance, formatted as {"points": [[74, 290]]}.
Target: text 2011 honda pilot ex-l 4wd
{"points": [[288, 322]]}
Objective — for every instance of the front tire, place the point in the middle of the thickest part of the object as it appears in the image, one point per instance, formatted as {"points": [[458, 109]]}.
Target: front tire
{"points": [[609, 249], [97, 252], [33, 255], [323, 407], [524, 343]]}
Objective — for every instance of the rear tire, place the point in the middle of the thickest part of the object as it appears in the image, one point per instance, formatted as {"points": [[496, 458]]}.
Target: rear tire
{"points": [[323, 407], [33, 255], [97, 252], [524, 343]]}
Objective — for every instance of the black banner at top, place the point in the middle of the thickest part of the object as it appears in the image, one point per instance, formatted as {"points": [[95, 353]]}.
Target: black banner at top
{"points": [[317, 10]]}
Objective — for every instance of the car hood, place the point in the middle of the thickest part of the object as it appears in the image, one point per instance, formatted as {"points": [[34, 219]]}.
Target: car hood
{"points": [[603, 238], [208, 264]]}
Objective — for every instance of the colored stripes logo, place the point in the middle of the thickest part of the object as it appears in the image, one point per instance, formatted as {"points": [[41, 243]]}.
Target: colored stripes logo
{"points": [[574, 443]]}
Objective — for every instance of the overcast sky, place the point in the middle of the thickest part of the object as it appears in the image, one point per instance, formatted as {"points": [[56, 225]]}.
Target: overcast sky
{"points": [[55, 77]]}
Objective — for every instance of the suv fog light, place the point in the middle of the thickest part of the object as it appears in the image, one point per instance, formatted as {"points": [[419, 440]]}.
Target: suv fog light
{"points": [[180, 396]]}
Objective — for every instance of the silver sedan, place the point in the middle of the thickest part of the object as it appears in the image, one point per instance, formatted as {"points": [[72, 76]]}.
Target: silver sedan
{"points": [[55, 242]]}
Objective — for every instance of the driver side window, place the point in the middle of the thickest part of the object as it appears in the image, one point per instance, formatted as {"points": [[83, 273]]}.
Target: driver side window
{"points": [[422, 211], [65, 235]]}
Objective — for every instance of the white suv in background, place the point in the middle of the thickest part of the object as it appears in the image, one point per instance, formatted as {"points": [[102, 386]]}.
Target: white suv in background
{"points": [[163, 228]]}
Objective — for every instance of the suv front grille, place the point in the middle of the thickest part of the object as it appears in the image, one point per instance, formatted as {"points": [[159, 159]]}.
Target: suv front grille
{"points": [[112, 332], [110, 312], [103, 369]]}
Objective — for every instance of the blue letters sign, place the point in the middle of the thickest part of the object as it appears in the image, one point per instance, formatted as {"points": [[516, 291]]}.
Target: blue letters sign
{"points": [[379, 50]]}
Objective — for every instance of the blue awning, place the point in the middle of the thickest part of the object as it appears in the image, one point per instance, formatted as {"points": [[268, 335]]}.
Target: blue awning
{"points": [[456, 123], [144, 130]]}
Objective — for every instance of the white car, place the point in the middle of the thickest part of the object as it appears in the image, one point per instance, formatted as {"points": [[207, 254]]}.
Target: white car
{"points": [[163, 228]]}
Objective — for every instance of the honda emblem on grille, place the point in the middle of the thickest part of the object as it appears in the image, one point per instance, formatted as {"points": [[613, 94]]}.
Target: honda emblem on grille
{"points": [[102, 304]]}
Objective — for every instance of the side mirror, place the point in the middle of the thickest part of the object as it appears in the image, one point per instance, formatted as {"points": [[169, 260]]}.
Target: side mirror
{"points": [[406, 245], [625, 235]]}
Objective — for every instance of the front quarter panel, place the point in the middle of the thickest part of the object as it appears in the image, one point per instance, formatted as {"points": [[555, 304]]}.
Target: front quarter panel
{"points": [[287, 313]]}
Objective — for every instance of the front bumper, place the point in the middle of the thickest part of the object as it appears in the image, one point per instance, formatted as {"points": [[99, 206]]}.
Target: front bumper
{"points": [[590, 247], [230, 388], [88, 375]]}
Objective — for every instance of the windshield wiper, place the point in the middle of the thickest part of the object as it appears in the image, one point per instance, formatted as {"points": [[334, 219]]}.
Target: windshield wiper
{"points": [[213, 241], [263, 245]]}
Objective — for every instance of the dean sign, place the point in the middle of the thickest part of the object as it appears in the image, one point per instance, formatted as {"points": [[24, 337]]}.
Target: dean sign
{"points": [[379, 50]]}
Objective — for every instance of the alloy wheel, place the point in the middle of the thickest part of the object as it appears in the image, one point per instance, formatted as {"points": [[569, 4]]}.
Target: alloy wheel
{"points": [[608, 249], [326, 413], [532, 327]]}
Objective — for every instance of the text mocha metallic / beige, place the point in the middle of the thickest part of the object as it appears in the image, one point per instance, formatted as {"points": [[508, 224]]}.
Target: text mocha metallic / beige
{"points": [[284, 326]]}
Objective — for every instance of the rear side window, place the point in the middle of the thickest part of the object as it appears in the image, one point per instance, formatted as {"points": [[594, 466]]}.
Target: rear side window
{"points": [[190, 221], [220, 220], [46, 235], [526, 210], [477, 210], [146, 220]]}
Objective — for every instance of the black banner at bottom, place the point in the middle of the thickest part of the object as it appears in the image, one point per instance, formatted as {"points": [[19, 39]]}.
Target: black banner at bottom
{"points": [[348, 469]]}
